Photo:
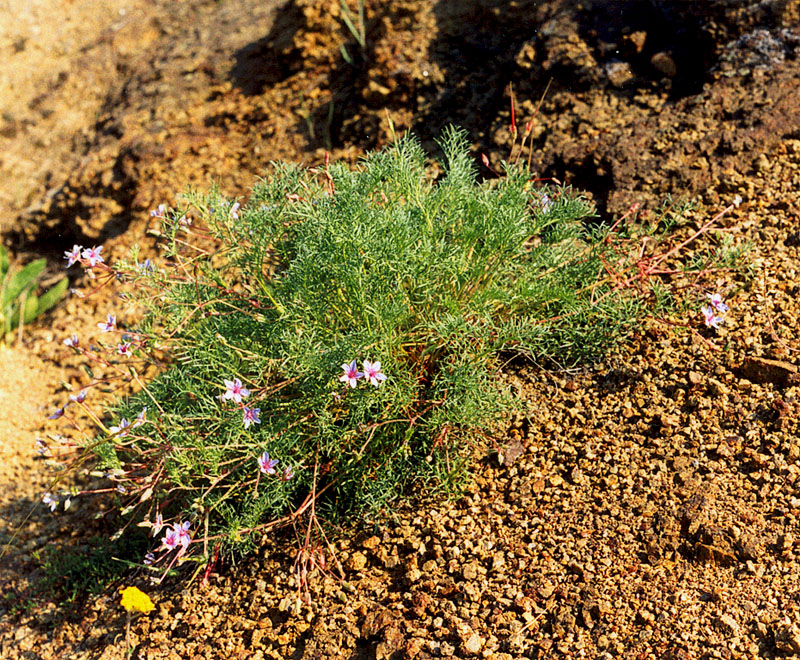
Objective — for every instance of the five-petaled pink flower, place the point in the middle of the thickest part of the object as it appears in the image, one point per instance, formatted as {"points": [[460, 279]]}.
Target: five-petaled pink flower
{"points": [[711, 319], [235, 211], [351, 374], [92, 255], [716, 302], [109, 325], [159, 212], [170, 540], [372, 372], [72, 342], [251, 416], [235, 391], [287, 473], [124, 348], [73, 255], [267, 464], [177, 536]]}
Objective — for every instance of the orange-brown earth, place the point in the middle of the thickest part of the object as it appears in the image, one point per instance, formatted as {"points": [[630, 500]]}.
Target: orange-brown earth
{"points": [[653, 511]]}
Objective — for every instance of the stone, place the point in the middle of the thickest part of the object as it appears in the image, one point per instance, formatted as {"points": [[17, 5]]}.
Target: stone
{"points": [[511, 452], [498, 561], [618, 73], [709, 553], [726, 624], [546, 590], [371, 543], [357, 561], [376, 621], [473, 645], [413, 647], [393, 640], [764, 370], [645, 617], [664, 63], [787, 638]]}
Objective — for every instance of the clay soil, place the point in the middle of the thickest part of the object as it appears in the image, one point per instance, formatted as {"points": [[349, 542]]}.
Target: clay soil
{"points": [[647, 506]]}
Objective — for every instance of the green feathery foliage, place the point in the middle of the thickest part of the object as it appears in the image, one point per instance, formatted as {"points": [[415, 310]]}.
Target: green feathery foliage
{"points": [[438, 280]]}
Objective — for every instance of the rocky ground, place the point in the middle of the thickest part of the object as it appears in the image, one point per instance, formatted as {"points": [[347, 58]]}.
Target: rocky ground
{"points": [[646, 507]]}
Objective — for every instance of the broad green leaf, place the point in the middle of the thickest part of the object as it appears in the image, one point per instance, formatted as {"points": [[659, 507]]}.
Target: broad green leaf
{"points": [[52, 295], [31, 308], [24, 279]]}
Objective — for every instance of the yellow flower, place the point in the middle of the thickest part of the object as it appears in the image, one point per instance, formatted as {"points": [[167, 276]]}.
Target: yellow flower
{"points": [[134, 599]]}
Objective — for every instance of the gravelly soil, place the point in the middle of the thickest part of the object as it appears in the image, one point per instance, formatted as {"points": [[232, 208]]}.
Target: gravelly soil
{"points": [[646, 507]]}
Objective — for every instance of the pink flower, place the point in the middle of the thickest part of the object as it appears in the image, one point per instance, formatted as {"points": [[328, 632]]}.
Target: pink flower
{"points": [[266, 464], [235, 391], [158, 525], [92, 255], [122, 429], [72, 342], [149, 558], [170, 540], [109, 325], [712, 320], [58, 413], [235, 211], [351, 374], [79, 397], [287, 473], [140, 418], [177, 536], [73, 255], [716, 303], [183, 533], [124, 348], [372, 372], [251, 416], [545, 202], [49, 500], [159, 212]]}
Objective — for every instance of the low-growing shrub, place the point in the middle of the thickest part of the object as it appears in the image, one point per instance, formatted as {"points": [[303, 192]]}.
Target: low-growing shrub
{"points": [[338, 341]]}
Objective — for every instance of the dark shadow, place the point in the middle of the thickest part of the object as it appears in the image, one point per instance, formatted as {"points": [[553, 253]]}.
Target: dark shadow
{"points": [[657, 39], [476, 47], [269, 60], [590, 177], [71, 560], [55, 216], [479, 47]]}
